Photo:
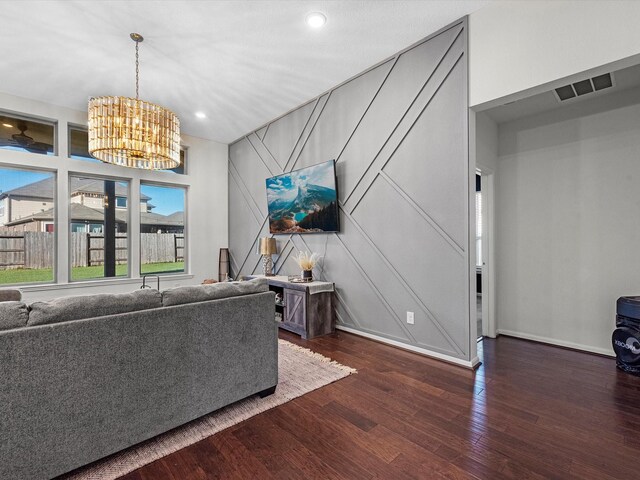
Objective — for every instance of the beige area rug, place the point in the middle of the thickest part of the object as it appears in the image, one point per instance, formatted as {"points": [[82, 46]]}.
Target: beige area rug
{"points": [[300, 371]]}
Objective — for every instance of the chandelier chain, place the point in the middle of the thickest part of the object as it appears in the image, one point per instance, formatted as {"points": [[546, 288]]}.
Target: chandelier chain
{"points": [[137, 70]]}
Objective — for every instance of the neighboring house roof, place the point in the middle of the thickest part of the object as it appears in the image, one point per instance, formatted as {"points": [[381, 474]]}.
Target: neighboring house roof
{"points": [[150, 218], [40, 189], [89, 185], [77, 212], [82, 213], [176, 217], [45, 216], [45, 188]]}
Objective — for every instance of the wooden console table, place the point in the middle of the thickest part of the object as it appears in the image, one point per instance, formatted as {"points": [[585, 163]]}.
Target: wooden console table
{"points": [[306, 308]]}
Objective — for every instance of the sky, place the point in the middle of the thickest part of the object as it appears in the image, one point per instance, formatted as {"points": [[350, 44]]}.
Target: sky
{"points": [[284, 187], [10, 179], [167, 200]]}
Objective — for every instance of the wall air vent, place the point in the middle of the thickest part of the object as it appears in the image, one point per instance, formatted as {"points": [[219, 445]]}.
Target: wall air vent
{"points": [[584, 87]]}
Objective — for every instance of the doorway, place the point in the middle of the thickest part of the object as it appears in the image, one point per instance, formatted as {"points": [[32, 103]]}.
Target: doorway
{"points": [[485, 291], [479, 260]]}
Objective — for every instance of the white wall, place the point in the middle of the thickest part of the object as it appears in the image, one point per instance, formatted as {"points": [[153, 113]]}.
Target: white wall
{"points": [[207, 202], [567, 229], [517, 45], [486, 143]]}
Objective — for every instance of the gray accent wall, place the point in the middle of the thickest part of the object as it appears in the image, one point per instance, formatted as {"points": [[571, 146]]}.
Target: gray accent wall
{"points": [[399, 135]]}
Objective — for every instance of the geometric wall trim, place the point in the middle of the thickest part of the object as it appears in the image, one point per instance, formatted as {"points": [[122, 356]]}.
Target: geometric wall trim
{"points": [[399, 135]]}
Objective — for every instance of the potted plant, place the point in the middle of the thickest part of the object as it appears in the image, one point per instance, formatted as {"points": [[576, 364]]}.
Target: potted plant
{"points": [[306, 262]]}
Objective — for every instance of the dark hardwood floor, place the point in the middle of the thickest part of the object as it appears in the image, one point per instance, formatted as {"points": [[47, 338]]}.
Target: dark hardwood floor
{"points": [[531, 411]]}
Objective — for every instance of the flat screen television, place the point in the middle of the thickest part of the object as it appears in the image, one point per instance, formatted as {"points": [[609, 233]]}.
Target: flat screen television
{"points": [[304, 201]]}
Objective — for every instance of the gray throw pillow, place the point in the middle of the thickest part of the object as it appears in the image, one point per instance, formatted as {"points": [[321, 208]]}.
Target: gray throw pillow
{"points": [[13, 315], [214, 291], [88, 306]]}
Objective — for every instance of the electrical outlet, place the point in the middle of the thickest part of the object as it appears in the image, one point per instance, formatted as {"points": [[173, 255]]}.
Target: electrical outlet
{"points": [[410, 318]]}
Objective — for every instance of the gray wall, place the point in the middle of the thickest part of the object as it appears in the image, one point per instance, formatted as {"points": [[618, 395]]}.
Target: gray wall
{"points": [[399, 134]]}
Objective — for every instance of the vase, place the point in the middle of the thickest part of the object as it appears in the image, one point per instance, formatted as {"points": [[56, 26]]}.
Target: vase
{"points": [[307, 275], [223, 265]]}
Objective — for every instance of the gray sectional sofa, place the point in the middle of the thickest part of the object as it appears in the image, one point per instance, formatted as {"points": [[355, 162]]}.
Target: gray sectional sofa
{"points": [[84, 377]]}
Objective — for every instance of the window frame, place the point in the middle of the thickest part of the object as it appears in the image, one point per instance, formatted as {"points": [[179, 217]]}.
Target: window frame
{"points": [[185, 227], [83, 128], [54, 174], [98, 177], [37, 119], [80, 128]]}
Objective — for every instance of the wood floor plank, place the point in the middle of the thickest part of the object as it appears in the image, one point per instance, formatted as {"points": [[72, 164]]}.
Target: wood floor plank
{"points": [[238, 461], [322, 443], [531, 411], [339, 450], [360, 421]]}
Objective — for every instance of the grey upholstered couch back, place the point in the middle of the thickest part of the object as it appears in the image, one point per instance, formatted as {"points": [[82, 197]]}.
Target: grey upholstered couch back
{"points": [[76, 391]]}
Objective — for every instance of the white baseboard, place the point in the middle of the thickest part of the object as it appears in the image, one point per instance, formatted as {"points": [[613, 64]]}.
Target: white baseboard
{"points": [[438, 356], [560, 343]]}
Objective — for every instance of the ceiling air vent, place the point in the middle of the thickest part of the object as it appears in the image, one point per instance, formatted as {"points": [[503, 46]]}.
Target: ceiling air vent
{"points": [[584, 87]]}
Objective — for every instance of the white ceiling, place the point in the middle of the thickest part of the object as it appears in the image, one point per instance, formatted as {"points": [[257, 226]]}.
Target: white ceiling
{"points": [[241, 62]]}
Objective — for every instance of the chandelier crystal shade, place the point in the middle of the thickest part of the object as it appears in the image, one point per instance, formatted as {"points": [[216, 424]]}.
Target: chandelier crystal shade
{"points": [[133, 133]]}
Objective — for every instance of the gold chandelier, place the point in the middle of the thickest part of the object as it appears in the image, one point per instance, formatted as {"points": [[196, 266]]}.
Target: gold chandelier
{"points": [[133, 133]]}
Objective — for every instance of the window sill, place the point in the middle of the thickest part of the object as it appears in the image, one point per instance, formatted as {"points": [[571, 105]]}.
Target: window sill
{"points": [[99, 283]]}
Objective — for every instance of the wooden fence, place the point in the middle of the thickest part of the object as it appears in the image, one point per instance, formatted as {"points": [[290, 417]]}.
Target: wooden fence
{"points": [[26, 250], [94, 249], [161, 247], [36, 249]]}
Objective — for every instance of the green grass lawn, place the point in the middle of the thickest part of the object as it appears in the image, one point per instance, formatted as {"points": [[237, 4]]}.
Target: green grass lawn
{"points": [[168, 267], [22, 275], [88, 273], [45, 275]]}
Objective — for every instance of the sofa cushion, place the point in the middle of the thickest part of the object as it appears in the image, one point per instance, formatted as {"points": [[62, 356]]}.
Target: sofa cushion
{"points": [[13, 315], [88, 306], [202, 293]]}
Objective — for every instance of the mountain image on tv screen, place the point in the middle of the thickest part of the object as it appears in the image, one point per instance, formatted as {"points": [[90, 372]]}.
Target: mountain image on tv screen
{"points": [[304, 201]]}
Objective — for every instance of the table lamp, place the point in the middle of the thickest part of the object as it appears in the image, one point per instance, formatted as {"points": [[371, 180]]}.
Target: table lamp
{"points": [[267, 248]]}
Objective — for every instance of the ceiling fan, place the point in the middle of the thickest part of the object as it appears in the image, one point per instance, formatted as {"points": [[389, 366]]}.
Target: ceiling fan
{"points": [[23, 141]]}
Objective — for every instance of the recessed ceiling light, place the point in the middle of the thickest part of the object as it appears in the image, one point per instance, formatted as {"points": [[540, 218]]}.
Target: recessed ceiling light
{"points": [[316, 19], [8, 125], [201, 115]]}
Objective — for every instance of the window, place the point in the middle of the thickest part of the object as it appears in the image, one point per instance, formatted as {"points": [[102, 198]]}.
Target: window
{"points": [[162, 229], [26, 135], [180, 169], [27, 212], [98, 228], [79, 144], [79, 148]]}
